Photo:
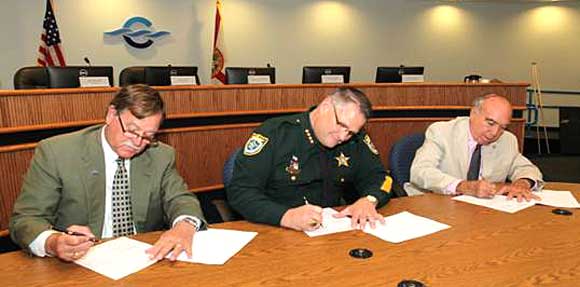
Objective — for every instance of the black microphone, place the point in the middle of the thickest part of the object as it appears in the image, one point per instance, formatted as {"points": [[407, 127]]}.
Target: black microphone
{"points": [[87, 61], [268, 65]]}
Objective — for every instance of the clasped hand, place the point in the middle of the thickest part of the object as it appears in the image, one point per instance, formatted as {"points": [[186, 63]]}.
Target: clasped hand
{"points": [[362, 212], [308, 217], [520, 189]]}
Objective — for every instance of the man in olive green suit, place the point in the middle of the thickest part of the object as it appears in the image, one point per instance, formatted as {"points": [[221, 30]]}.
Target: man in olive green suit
{"points": [[74, 184]]}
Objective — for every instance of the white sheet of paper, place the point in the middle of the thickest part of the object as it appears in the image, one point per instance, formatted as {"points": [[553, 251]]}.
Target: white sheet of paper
{"points": [[117, 258], [405, 226], [332, 79], [216, 246], [182, 80], [330, 224], [498, 202], [557, 198], [88, 82], [259, 79]]}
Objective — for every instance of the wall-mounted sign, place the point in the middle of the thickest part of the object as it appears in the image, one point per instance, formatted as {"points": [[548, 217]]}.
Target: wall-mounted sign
{"points": [[137, 33]]}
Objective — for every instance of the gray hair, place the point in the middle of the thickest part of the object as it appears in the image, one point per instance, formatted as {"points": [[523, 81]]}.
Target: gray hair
{"points": [[347, 94], [478, 102]]}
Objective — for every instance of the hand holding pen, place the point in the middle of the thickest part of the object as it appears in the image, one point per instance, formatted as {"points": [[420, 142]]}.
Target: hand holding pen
{"points": [[90, 236], [71, 243], [313, 222]]}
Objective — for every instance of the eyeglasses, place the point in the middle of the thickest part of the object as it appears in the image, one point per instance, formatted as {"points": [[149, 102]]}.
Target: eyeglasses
{"points": [[349, 133], [134, 135]]}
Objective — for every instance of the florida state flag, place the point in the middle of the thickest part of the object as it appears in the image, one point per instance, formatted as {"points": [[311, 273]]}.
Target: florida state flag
{"points": [[218, 59]]}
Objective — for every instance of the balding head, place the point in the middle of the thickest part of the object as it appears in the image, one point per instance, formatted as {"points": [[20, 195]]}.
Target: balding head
{"points": [[489, 117]]}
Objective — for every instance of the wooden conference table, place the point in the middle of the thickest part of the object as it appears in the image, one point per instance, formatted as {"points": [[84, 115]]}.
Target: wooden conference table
{"points": [[483, 247]]}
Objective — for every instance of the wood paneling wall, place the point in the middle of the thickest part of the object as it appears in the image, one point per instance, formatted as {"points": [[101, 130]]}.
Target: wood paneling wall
{"points": [[202, 149]]}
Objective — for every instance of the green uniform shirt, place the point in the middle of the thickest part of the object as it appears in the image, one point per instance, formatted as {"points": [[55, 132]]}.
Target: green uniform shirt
{"points": [[283, 163]]}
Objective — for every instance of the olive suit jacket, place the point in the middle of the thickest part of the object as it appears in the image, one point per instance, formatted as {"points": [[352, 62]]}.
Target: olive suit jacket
{"points": [[65, 185]]}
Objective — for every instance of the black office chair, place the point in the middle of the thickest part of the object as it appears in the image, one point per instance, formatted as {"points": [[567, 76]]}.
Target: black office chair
{"points": [[158, 75], [400, 159], [131, 76], [239, 75], [31, 78], [221, 205]]}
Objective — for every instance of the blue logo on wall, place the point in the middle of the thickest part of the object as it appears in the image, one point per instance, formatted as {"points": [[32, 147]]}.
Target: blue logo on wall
{"points": [[137, 38]]}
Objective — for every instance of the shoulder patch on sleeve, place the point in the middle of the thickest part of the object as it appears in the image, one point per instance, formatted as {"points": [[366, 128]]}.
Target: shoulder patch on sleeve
{"points": [[369, 143], [387, 184], [255, 144]]}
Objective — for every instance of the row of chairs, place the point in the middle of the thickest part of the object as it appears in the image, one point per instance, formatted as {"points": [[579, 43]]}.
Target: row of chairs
{"points": [[69, 77], [400, 158]]}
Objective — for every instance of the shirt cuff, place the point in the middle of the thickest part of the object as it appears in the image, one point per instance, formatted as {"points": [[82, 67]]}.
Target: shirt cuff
{"points": [[534, 186], [199, 224], [451, 189], [38, 244]]}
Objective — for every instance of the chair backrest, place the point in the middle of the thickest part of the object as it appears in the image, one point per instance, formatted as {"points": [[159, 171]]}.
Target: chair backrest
{"points": [[31, 78], [228, 171], [402, 155], [131, 76], [155, 75]]}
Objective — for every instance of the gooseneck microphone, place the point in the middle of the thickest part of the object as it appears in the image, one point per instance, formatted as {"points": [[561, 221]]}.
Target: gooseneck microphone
{"points": [[86, 59]]}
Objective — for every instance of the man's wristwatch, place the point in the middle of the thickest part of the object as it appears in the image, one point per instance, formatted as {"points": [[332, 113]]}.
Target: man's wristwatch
{"points": [[192, 222], [372, 199]]}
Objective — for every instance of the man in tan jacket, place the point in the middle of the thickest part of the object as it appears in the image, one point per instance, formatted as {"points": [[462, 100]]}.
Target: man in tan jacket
{"points": [[475, 156]]}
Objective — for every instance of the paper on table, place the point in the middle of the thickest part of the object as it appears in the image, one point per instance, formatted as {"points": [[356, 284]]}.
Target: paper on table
{"points": [[498, 202], [405, 226], [117, 258], [557, 198], [216, 246], [330, 224]]}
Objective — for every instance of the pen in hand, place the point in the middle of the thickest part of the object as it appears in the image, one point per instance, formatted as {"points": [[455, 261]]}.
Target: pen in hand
{"points": [[74, 233], [313, 222]]}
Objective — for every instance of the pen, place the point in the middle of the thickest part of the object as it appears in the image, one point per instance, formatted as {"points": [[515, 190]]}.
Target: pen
{"points": [[74, 233], [312, 221]]}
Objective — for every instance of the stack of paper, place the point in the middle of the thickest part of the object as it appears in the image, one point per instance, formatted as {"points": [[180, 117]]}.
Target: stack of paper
{"points": [[405, 226], [500, 202], [557, 198], [216, 246], [330, 224], [117, 258]]}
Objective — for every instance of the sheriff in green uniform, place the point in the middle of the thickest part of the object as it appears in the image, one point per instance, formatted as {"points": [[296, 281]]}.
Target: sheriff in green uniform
{"points": [[293, 166]]}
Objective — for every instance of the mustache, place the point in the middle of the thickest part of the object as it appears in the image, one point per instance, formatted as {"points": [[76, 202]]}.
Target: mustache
{"points": [[130, 145]]}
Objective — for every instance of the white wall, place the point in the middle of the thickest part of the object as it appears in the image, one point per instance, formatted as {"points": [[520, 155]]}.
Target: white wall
{"points": [[497, 40]]}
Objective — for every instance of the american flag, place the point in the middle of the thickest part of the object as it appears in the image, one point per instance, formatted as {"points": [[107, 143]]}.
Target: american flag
{"points": [[49, 51]]}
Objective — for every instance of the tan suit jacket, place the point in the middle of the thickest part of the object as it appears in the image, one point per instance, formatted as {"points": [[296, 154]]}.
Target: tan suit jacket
{"points": [[65, 185], [444, 158]]}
